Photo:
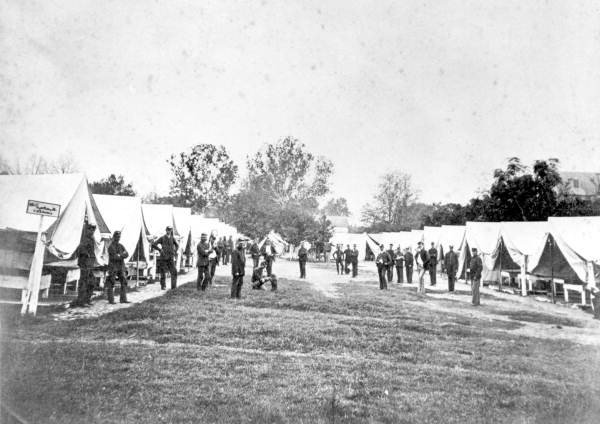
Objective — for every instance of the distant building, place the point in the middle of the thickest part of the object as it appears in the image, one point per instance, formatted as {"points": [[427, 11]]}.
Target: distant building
{"points": [[585, 185], [339, 223]]}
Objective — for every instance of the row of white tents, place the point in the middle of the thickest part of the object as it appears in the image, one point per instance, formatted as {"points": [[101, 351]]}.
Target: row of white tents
{"points": [[26, 263], [565, 250]]}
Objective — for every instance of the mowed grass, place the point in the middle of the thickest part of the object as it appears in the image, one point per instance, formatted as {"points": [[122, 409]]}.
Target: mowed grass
{"points": [[294, 356]]}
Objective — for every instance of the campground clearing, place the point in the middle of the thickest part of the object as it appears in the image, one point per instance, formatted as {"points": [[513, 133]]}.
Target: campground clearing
{"points": [[326, 349]]}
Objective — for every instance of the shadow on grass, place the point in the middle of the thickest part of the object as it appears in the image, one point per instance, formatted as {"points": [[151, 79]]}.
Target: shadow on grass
{"points": [[538, 317]]}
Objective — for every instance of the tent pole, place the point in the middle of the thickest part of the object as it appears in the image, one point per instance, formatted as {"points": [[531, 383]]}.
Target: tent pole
{"points": [[500, 283], [524, 276], [552, 286]]}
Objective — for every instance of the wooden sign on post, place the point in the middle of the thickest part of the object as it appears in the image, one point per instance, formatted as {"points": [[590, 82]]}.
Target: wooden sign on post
{"points": [[30, 297]]}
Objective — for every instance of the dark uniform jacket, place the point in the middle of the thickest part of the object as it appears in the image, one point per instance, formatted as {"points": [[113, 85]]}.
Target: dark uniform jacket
{"points": [[230, 245], [424, 258], [475, 267], [399, 259], [238, 262], [432, 257], [392, 255], [169, 247], [86, 254], [383, 259], [268, 252], [302, 254], [354, 256], [116, 257], [451, 262], [409, 260], [348, 255], [204, 250], [254, 250], [339, 255], [257, 273]]}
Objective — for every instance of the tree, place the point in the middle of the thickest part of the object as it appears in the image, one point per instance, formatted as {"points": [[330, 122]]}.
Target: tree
{"points": [[445, 214], [395, 193], [281, 193], [114, 185], [336, 207], [36, 164], [64, 164], [202, 177]]}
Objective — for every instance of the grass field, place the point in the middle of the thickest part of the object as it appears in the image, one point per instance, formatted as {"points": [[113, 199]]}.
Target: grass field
{"points": [[297, 356]]}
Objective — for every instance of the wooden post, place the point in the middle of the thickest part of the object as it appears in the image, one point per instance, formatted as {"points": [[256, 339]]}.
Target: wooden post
{"points": [[552, 286], [524, 276], [35, 274]]}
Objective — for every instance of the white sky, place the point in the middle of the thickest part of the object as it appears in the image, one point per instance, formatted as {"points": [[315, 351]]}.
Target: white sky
{"points": [[443, 90]]}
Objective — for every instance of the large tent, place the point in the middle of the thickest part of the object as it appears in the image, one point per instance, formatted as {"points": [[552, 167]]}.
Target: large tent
{"points": [[517, 242], [432, 235], [450, 235], [276, 240], [351, 239], [570, 250], [484, 237], [124, 214], [182, 218], [157, 218], [21, 260]]}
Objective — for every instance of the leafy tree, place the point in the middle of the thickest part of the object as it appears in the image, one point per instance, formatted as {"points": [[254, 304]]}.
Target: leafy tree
{"points": [[395, 194], [202, 177], [445, 214], [112, 185], [336, 207], [281, 193]]}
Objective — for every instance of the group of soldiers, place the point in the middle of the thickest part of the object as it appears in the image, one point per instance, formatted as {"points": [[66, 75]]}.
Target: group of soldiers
{"points": [[346, 258]]}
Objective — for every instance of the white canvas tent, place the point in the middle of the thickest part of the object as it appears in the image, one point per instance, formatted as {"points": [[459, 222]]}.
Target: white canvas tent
{"points": [[124, 214], [276, 240], [484, 237], [570, 250], [416, 237], [518, 241], [182, 218], [450, 235], [21, 257], [157, 218], [432, 235], [351, 239]]}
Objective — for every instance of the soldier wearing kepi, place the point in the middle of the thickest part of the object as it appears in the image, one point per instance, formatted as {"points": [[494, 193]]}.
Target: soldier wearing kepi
{"points": [[167, 246], [86, 259], [383, 260], [116, 268], [475, 269], [238, 266], [339, 259], [347, 259], [390, 268], [354, 261], [451, 265], [302, 258], [230, 248], [432, 264], [204, 250], [409, 261], [399, 262]]}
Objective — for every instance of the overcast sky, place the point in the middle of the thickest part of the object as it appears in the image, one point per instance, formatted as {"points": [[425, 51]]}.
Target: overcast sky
{"points": [[443, 90]]}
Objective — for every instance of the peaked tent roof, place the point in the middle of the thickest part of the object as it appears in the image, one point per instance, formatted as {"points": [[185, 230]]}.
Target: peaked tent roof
{"points": [[157, 218], [182, 217], [451, 235], [519, 239], [482, 236], [124, 213], [431, 235]]}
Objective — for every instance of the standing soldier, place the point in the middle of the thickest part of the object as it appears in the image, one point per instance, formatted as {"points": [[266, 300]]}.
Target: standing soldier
{"points": [[116, 268], [354, 261], [475, 269], [422, 259], [204, 250], [390, 268], [238, 265], [230, 248], [399, 262], [339, 259], [219, 250], [255, 253], [86, 259], [409, 261], [347, 259], [213, 257], [451, 265], [268, 253], [167, 246], [432, 264], [302, 258], [382, 261]]}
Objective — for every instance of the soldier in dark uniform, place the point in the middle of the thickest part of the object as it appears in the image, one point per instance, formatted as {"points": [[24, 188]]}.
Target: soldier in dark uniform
{"points": [[167, 246], [383, 260], [475, 269], [255, 253], [432, 264], [302, 258], [339, 259], [354, 261], [258, 279], [399, 262], [422, 259], [347, 259], [268, 253], [238, 266], [116, 268], [451, 265], [409, 261], [219, 249], [86, 260], [390, 267], [204, 250], [213, 258]]}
